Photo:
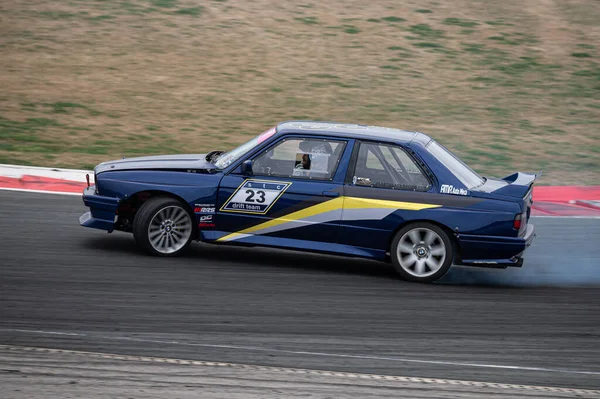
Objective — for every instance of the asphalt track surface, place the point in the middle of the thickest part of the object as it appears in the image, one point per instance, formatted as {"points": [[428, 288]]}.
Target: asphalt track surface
{"points": [[63, 286]]}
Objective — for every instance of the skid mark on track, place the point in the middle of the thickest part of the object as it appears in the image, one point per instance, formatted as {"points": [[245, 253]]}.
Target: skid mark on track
{"points": [[320, 373], [310, 353]]}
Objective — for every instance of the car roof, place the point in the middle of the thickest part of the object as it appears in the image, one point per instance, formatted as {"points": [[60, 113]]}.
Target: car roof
{"points": [[349, 130]]}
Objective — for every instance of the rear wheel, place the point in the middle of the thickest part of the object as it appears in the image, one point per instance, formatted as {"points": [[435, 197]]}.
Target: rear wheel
{"points": [[163, 226], [421, 252]]}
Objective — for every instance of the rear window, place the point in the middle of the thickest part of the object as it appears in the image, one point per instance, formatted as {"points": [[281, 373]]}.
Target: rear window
{"points": [[466, 175]]}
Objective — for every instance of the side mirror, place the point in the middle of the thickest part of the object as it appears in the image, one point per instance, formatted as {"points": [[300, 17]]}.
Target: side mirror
{"points": [[247, 167]]}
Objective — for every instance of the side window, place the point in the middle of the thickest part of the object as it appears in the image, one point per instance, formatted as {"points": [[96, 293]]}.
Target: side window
{"points": [[297, 157], [388, 166]]}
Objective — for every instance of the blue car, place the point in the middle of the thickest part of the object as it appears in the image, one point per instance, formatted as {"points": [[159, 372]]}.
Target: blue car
{"points": [[344, 189]]}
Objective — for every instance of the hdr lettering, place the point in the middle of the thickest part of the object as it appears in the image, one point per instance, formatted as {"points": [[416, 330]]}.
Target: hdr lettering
{"points": [[450, 189], [204, 209]]}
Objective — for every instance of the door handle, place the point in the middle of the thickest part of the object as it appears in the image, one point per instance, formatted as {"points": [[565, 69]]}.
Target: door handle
{"points": [[331, 194]]}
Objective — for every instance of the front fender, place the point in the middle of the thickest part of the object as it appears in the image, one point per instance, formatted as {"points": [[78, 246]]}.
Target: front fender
{"points": [[189, 186]]}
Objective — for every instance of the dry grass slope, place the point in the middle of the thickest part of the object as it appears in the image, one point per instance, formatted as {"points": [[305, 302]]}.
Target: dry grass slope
{"points": [[511, 85]]}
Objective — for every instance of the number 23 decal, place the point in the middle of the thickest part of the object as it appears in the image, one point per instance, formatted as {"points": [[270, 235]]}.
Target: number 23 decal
{"points": [[251, 193], [255, 196]]}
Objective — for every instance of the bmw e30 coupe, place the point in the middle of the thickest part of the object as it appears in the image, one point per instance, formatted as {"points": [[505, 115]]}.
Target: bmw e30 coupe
{"points": [[345, 189]]}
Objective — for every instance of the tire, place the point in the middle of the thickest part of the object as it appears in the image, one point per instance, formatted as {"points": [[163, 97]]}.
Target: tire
{"points": [[425, 260], [163, 226]]}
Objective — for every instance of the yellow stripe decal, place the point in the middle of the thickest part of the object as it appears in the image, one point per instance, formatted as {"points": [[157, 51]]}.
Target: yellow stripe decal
{"points": [[331, 205], [362, 203]]}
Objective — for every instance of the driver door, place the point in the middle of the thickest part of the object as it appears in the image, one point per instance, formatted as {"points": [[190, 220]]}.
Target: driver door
{"points": [[290, 197]]}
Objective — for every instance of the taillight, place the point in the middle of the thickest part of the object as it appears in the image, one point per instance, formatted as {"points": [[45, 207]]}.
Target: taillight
{"points": [[517, 222]]}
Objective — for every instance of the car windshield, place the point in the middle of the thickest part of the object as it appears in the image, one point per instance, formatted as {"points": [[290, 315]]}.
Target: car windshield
{"points": [[230, 157], [465, 174]]}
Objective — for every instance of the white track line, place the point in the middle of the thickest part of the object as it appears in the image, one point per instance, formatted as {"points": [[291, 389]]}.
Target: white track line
{"points": [[25, 190], [16, 171], [320, 373], [323, 354]]}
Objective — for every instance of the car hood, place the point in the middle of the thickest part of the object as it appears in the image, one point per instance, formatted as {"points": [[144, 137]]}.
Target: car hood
{"points": [[192, 162]]}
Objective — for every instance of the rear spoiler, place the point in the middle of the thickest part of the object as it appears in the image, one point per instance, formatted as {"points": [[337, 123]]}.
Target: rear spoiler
{"points": [[519, 184]]}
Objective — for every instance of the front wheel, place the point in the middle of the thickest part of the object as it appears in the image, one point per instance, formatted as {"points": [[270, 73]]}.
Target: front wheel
{"points": [[421, 252], [163, 226]]}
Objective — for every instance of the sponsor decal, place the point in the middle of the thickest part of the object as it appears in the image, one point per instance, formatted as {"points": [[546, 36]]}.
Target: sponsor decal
{"points": [[450, 189], [206, 218], [255, 196], [264, 136], [206, 221], [204, 208], [328, 126]]}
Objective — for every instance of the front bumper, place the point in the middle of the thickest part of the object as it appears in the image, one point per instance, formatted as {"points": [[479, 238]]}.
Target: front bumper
{"points": [[491, 251], [102, 212]]}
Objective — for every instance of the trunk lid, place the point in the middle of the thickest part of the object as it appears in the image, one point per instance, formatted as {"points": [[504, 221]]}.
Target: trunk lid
{"points": [[518, 186]]}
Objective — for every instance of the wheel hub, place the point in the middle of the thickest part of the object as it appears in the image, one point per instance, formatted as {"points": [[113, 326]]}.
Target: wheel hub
{"points": [[422, 251], [167, 226]]}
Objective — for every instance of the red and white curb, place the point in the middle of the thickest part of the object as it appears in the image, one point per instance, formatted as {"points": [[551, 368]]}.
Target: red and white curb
{"points": [[44, 180], [550, 201]]}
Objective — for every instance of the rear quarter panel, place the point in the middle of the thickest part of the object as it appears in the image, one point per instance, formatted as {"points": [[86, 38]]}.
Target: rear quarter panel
{"points": [[458, 214]]}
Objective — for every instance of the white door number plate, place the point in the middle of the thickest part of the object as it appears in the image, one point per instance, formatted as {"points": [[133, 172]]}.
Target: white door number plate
{"points": [[255, 196]]}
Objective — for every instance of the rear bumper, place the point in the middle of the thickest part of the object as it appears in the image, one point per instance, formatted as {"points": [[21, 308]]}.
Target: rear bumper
{"points": [[102, 210], [491, 251]]}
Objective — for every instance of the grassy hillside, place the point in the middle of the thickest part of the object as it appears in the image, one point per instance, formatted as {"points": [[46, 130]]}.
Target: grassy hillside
{"points": [[511, 85]]}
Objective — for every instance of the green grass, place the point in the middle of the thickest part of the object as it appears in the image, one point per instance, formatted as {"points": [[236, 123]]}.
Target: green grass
{"points": [[57, 15], [30, 124], [324, 76], [425, 31], [498, 22], [67, 107], [581, 55], [427, 45], [393, 19], [460, 22], [307, 20], [514, 39], [475, 48], [586, 46], [164, 3], [192, 11], [527, 64], [351, 29]]}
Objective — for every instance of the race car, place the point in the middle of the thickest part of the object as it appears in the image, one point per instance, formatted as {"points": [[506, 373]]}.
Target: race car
{"points": [[345, 189]]}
